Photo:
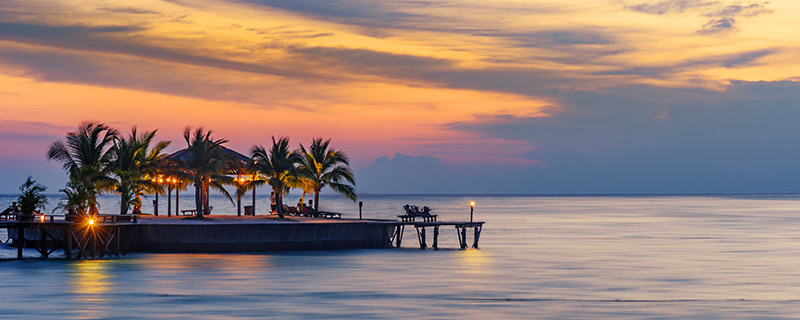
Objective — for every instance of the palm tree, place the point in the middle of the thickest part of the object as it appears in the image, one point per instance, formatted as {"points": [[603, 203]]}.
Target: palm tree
{"points": [[205, 162], [31, 198], [132, 161], [75, 202], [84, 157], [278, 167], [324, 166]]}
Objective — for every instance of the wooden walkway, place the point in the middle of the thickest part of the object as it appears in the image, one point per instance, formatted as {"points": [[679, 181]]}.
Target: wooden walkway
{"points": [[420, 226], [106, 237], [114, 235]]}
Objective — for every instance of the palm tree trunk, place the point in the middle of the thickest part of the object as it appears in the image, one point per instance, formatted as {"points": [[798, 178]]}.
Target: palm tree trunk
{"points": [[279, 204], [198, 197], [123, 204], [206, 208], [123, 201], [316, 202]]}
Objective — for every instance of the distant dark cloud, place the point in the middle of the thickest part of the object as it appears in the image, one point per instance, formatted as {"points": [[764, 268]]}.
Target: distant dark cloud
{"points": [[147, 75], [718, 25], [284, 32], [672, 6], [735, 60], [525, 81], [370, 61], [383, 18], [735, 10], [722, 15], [118, 40], [347, 9], [132, 10], [644, 139]]}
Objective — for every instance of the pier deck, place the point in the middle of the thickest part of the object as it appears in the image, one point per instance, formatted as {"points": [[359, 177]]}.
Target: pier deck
{"points": [[420, 226], [113, 235]]}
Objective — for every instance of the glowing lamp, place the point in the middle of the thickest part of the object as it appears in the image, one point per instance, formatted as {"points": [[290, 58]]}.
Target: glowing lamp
{"points": [[41, 218], [471, 210], [91, 222]]}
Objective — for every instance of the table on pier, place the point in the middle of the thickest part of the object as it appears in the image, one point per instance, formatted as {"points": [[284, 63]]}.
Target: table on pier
{"points": [[412, 217]]}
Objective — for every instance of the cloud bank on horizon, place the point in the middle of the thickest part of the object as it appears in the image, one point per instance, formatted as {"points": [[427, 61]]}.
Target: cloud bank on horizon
{"points": [[617, 96]]}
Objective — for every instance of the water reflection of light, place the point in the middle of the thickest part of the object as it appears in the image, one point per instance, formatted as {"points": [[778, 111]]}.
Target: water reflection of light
{"points": [[89, 287], [474, 261]]}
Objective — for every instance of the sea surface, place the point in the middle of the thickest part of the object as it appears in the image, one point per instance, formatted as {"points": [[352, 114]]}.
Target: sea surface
{"points": [[545, 257]]}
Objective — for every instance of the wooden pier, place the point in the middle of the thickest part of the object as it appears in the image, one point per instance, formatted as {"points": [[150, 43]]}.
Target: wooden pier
{"points": [[103, 237], [114, 235], [420, 226]]}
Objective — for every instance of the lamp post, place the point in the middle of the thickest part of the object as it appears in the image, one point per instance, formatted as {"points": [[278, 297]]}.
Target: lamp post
{"points": [[254, 193], [239, 182], [471, 210], [169, 196], [155, 203], [360, 204], [177, 198]]}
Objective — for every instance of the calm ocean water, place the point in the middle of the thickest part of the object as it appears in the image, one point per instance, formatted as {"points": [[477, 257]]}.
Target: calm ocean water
{"points": [[572, 257]]}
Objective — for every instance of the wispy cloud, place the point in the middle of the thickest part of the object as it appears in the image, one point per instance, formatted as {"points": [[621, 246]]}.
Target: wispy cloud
{"points": [[718, 25], [723, 16], [132, 10]]}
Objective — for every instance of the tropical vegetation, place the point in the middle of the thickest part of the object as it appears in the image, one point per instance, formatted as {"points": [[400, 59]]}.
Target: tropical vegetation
{"points": [[277, 166], [84, 156], [322, 166], [98, 160], [31, 197], [76, 200], [206, 163], [132, 163]]}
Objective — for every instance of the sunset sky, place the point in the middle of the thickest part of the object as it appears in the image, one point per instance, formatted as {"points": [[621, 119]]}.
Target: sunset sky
{"points": [[529, 96]]}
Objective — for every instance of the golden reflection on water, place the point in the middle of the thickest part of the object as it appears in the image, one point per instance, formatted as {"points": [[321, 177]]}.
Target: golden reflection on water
{"points": [[89, 287], [166, 264], [473, 261]]}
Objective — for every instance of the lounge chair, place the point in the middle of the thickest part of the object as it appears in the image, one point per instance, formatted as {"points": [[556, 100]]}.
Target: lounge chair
{"points": [[413, 211], [8, 213]]}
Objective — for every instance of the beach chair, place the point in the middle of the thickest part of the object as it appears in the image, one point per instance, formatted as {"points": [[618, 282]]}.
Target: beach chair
{"points": [[8, 213]]}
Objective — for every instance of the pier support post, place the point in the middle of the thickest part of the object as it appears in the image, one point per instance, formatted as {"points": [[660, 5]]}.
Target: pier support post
{"points": [[68, 248], [436, 237], [476, 236], [43, 242], [463, 237], [421, 233], [93, 240], [399, 236], [423, 244], [20, 238], [119, 238]]}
